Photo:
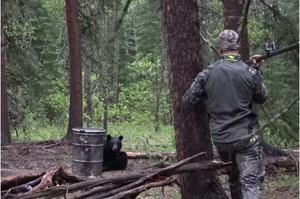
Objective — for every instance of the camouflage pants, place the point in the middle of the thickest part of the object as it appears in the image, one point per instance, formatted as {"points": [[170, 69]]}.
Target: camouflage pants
{"points": [[247, 171]]}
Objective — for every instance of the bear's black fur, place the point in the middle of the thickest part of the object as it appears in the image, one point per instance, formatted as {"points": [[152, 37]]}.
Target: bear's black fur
{"points": [[113, 157]]}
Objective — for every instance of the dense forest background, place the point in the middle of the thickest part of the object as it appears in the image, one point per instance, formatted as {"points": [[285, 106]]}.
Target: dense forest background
{"points": [[124, 67]]}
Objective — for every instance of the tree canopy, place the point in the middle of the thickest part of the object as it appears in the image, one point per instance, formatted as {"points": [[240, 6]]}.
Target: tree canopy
{"points": [[124, 64]]}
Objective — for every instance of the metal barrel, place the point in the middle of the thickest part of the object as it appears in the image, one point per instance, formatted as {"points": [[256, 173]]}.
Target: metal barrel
{"points": [[87, 151]]}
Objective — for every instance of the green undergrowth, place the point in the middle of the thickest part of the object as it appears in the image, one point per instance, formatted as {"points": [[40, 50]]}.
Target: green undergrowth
{"points": [[143, 138], [137, 137]]}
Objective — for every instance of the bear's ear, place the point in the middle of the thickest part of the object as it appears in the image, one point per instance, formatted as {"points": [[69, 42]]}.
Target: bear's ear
{"points": [[121, 137], [108, 137]]}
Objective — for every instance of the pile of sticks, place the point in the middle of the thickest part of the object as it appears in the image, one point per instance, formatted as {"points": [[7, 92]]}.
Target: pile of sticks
{"points": [[57, 182]]}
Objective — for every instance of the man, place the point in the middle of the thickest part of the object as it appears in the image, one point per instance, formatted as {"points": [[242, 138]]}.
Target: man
{"points": [[230, 88]]}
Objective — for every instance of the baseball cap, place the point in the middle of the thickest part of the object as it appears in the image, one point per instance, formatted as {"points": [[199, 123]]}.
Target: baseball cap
{"points": [[228, 40]]}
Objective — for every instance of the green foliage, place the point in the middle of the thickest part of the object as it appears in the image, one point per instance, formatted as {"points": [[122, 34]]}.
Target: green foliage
{"points": [[142, 137], [35, 60], [287, 182], [132, 65], [40, 132], [55, 104], [283, 181]]}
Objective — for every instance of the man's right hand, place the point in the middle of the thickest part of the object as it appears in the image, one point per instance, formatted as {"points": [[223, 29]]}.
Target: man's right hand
{"points": [[254, 62]]}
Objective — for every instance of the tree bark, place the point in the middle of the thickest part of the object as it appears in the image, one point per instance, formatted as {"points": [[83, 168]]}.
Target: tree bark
{"points": [[75, 112], [5, 133], [233, 12], [88, 92], [191, 126], [116, 71], [105, 71]]}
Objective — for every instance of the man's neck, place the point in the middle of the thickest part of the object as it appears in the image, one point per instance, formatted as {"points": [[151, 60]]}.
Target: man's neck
{"points": [[230, 52]]}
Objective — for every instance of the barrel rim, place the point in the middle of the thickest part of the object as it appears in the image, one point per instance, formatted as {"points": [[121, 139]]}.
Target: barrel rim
{"points": [[88, 134], [83, 144], [88, 130]]}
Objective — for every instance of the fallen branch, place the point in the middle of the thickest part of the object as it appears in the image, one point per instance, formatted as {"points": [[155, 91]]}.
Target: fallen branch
{"points": [[12, 181], [99, 190], [205, 165], [127, 183], [46, 180], [60, 143], [139, 155], [150, 176], [145, 187], [38, 183], [23, 188]]}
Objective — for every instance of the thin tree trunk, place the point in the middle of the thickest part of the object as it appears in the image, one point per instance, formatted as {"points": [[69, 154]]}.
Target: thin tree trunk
{"points": [[104, 73], [116, 71], [116, 62], [157, 98], [233, 12], [135, 35], [191, 126], [75, 113], [5, 133], [88, 93]]}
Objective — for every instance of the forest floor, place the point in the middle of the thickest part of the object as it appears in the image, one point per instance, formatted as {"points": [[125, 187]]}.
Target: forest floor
{"points": [[26, 159]]}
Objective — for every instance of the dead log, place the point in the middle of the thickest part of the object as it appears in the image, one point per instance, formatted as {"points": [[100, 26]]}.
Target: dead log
{"points": [[46, 180], [271, 163], [90, 188], [270, 151], [13, 181], [139, 155], [80, 186], [23, 188], [205, 165], [30, 184], [286, 163]]}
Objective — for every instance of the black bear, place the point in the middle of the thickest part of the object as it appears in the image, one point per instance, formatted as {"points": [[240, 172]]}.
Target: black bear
{"points": [[113, 157]]}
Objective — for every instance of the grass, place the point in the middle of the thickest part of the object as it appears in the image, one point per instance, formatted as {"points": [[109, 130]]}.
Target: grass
{"points": [[137, 137], [281, 185], [142, 138], [285, 181], [39, 132]]}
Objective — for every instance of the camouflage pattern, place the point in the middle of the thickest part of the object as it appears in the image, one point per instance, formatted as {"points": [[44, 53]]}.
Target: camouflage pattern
{"points": [[228, 40], [230, 88], [229, 105], [248, 170], [196, 92]]}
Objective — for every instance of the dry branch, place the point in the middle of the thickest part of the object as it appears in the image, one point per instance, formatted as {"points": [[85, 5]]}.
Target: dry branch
{"points": [[37, 183], [130, 184], [46, 180], [13, 181], [145, 187], [278, 115], [98, 190], [139, 155], [151, 176]]}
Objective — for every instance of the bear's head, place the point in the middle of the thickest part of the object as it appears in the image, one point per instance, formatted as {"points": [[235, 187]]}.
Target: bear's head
{"points": [[114, 143]]}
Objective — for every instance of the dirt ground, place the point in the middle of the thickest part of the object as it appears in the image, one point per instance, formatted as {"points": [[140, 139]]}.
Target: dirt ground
{"points": [[21, 158]]}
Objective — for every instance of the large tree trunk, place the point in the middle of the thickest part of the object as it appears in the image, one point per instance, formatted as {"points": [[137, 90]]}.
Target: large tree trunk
{"points": [[75, 113], [233, 12], [5, 134], [191, 126]]}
